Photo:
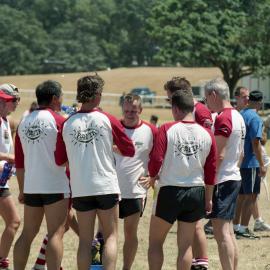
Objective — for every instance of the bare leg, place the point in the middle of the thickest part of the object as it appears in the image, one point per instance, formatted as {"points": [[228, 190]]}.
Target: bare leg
{"points": [[109, 223], [32, 220], [56, 216], [199, 246], [185, 237], [248, 206], [226, 245], [131, 240], [159, 229], [86, 221], [12, 222], [239, 209]]}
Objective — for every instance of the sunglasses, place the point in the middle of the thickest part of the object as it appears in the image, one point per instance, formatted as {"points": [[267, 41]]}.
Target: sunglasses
{"points": [[16, 99]]}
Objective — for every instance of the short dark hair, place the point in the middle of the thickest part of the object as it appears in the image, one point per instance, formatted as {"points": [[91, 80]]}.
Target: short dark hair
{"points": [[46, 90], [130, 98], [88, 87], [183, 100], [154, 118], [177, 83], [238, 91]]}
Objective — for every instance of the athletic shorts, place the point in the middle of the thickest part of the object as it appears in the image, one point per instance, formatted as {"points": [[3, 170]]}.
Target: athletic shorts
{"points": [[128, 207], [39, 200], [4, 192], [88, 203], [224, 200], [251, 181], [185, 204]]}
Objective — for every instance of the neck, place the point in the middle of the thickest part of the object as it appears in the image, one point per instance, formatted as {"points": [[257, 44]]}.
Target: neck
{"points": [[131, 124], [223, 105], [185, 117], [88, 106]]}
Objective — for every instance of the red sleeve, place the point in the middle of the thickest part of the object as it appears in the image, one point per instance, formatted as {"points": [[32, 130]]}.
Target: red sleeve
{"points": [[203, 116], [154, 133], [60, 153], [122, 141], [223, 124], [210, 166], [19, 155], [159, 150]]}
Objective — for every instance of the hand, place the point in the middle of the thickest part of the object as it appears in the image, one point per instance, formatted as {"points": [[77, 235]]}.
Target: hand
{"points": [[116, 150], [208, 207], [10, 158], [263, 171], [144, 181], [21, 198]]}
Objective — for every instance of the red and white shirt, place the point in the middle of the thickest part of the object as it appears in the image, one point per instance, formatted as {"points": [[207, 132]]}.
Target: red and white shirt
{"points": [[186, 154], [6, 141], [130, 169], [86, 141], [230, 124], [34, 151]]}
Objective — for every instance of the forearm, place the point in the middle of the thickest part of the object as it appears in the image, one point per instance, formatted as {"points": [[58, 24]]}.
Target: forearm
{"points": [[208, 192], [20, 179], [257, 149]]}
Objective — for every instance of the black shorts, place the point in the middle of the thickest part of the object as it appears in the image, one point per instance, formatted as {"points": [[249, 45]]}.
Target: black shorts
{"points": [[224, 200], [251, 181], [4, 192], [39, 200], [185, 204], [128, 207], [88, 203]]}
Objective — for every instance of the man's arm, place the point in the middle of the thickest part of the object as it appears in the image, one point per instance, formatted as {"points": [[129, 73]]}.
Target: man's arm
{"points": [[20, 179], [257, 149], [221, 142]]}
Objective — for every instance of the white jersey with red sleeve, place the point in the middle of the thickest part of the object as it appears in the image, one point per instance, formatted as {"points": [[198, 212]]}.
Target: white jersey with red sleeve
{"points": [[130, 169], [202, 115], [34, 151], [87, 143], [186, 154], [230, 124], [6, 141]]}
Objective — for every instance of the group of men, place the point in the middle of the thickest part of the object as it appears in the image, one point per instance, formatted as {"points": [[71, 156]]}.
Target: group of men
{"points": [[106, 165]]}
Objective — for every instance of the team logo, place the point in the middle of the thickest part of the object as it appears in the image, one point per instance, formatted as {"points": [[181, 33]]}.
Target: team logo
{"points": [[138, 144], [187, 148], [86, 135], [36, 131]]}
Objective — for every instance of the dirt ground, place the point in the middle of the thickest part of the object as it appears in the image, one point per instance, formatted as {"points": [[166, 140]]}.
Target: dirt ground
{"points": [[254, 254]]}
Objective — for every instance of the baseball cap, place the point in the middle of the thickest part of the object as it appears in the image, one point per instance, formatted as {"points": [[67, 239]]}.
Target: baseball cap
{"points": [[9, 89], [5, 97], [255, 95]]}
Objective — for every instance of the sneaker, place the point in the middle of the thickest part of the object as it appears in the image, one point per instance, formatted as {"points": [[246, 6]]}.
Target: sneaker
{"points": [[261, 226], [246, 234], [4, 264], [95, 251], [208, 229]]}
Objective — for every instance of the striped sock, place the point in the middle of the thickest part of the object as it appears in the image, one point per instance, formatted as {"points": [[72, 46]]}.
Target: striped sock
{"points": [[4, 262], [41, 260], [202, 262]]}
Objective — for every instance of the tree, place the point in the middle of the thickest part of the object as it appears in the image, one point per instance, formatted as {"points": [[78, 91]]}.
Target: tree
{"points": [[212, 33], [23, 42]]}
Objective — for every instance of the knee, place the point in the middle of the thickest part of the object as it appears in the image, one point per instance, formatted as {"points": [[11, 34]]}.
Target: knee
{"points": [[14, 224]]}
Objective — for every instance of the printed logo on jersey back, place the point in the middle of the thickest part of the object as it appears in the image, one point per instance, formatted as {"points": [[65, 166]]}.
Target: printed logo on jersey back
{"points": [[34, 132], [86, 135], [188, 148]]}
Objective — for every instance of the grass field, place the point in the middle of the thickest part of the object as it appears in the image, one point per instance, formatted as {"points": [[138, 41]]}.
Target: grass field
{"points": [[254, 254]]}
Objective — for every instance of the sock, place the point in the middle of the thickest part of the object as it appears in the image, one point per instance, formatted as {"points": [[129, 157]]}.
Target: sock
{"points": [[236, 227], [41, 260], [259, 219], [242, 228], [193, 262], [202, 262]]}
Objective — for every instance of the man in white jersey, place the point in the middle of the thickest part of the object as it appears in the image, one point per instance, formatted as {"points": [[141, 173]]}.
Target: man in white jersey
{"points": [[203, 117], [229, 131], [8, 209], [86, 141], [186, 154], [129, 170], [44, 186]]}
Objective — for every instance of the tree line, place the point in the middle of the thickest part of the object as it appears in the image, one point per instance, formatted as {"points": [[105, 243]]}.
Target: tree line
{"points": [[48, 36]]}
